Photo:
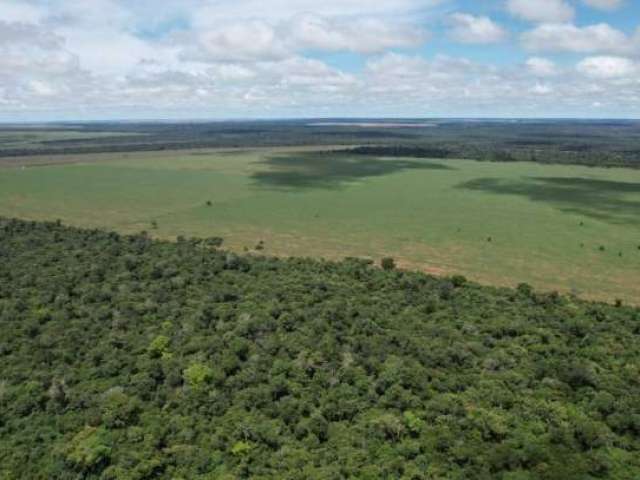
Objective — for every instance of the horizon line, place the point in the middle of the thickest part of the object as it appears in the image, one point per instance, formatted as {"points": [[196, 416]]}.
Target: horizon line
{"points": [[313, 119]]}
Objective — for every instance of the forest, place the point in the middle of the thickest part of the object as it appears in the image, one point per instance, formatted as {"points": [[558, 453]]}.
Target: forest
{"points": [[125, 357]]}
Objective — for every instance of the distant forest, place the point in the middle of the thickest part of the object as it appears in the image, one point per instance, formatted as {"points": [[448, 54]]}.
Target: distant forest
{"points": [[128, 358], [595, 142]]}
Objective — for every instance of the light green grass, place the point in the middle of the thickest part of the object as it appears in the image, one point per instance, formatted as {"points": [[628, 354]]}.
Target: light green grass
{"points": [[546, 223]]}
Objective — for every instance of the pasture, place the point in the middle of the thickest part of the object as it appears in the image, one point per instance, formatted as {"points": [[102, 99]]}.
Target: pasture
{"points": [[567, 228]]}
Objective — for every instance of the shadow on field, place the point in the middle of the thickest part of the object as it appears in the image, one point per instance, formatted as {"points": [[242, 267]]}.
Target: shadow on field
{"points": [[330, 170], [604, 200]]}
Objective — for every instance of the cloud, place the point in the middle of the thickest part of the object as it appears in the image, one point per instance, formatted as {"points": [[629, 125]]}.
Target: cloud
{"points": [[402, 80], [27, 50], [14, 34], [543, 11], [41, 88], [608, 67], [20, 11], [254, 40], [604, 4], [368, 35], [258, 40], [467, 28], [448, 84], [541, 89], [541, 67], [292, 83], [567, 37], [308, 73]]}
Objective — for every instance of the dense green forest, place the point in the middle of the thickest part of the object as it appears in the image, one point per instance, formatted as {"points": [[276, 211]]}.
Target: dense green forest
{"points": [[123, 357], [585, 142]]}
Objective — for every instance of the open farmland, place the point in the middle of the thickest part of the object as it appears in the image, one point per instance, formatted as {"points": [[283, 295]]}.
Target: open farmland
{"points": [[571, 228]]}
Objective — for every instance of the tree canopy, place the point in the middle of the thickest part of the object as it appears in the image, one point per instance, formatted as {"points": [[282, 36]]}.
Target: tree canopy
{"points": [[124, 357]]}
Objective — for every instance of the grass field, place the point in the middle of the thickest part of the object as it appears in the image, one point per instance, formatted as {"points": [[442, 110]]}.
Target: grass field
{"points": [[574, 229]]}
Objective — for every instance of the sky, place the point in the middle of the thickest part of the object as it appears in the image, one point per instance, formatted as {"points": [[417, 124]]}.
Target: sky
{"points": [[235, 59]]}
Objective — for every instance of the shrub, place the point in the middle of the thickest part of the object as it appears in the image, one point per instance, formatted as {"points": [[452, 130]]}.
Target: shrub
{"points": [[388, 263], [214, 242], [458, 280], [525, 289]]}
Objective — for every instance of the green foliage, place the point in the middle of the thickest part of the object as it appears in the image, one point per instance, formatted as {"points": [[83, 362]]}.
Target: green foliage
{"points": [[89, 449], [241, 449], [389, 426], [413, 423], [297, 368], [159, 346], [198, 375], [118, 409]]}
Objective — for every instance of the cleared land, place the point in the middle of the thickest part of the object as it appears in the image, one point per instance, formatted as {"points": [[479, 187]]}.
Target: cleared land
{"points": [[569, 228]]}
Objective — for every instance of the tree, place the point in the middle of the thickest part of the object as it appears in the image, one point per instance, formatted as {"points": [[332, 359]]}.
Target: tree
{"points": [[198, 375], [89, 449]]}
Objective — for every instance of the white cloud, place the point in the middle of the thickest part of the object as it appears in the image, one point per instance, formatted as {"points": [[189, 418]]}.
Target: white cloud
{"points": [[368, 35], [42, 88], [400, 79], [604, 4], [608, 67], [27, 49], [252, 40], [20, 11], [308, 73], [543, 11], [542, 67], [567, 37], [455, 85], [108, 52], [541, 89], [467, 28], [98, 33], [263, 85], [231, 72], [13, 34], [257, 40]]}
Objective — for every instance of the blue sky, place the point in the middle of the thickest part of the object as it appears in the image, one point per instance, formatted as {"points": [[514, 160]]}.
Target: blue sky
{"points": [[104, 59]]}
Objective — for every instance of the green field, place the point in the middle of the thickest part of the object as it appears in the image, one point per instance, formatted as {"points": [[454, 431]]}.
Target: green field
{"points": [[574, 229]]}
